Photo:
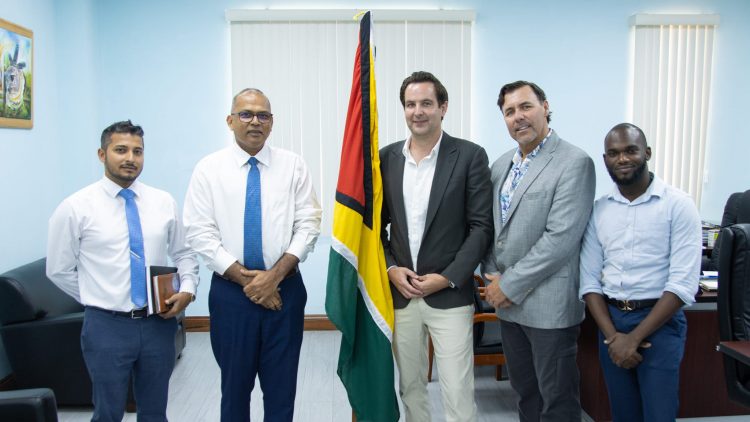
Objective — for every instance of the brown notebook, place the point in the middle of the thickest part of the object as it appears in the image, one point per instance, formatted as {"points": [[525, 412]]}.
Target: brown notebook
{"points": [[165, 283]]}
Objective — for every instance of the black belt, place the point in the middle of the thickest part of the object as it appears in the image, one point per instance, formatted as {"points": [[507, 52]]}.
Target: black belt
{"points": [[627, 305], [134, 314]]}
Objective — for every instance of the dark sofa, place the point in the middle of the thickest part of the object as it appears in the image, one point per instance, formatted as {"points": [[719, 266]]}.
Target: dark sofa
{"points": [[41, 330]]}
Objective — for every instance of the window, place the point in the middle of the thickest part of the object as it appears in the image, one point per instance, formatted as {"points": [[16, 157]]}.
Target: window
{"points": [[671, 85], [303, 60]]}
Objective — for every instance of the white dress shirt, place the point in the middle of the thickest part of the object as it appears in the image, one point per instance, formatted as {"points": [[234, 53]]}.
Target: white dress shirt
{"points": [[641, 249], [88, 248], [215, 206], [417, 185]]}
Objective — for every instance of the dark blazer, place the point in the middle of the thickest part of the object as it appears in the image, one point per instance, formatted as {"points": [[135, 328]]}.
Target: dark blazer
{"points": [[736, 210], [458, 226]]}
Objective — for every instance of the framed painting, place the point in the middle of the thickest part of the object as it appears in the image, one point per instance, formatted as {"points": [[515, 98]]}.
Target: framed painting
{"points": [[16, 76]]}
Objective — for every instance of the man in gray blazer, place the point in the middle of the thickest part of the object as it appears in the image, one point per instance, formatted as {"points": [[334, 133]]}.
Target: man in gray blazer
{"points": [[542, 197], [437, 201]]}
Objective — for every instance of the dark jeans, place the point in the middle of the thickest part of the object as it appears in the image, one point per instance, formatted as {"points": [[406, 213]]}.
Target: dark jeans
{"points": [[116, 346], [648, 392], [543, 371]]}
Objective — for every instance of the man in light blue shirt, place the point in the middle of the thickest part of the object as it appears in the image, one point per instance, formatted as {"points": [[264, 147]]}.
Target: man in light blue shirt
{"points": [[640, 264]]}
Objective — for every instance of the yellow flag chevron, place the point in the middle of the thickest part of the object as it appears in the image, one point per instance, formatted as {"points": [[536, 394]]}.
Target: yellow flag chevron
{"points": [[358, 296]]}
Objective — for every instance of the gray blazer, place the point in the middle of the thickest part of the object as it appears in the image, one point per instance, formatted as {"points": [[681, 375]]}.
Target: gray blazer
{"points": [[458, 226], [537, 250]]}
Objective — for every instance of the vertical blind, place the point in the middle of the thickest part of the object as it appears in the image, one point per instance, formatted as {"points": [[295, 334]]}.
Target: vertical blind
{"points": [[303, 62], [671, 87]]}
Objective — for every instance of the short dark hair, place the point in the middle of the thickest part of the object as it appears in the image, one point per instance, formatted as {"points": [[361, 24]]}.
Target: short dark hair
{"points": [[622, 128], [125, 126], [508, 88], [422, 76]]}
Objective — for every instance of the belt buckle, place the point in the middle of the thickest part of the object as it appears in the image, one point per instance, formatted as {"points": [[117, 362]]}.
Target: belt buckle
{"points": [[133, 314], [625, 305]]}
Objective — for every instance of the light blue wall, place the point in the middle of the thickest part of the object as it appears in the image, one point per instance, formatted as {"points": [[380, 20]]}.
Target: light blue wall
{"points": [[32, 171], [729, 148], [165, 64]]}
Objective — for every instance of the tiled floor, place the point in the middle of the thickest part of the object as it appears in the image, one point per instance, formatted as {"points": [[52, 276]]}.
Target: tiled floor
{"points": [[194, 392]]}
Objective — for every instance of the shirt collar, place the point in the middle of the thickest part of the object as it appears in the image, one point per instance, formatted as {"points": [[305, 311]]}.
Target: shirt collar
{"points": [[241, 156], [433, 153], [657, 189], [517, 157], [113, 189]]}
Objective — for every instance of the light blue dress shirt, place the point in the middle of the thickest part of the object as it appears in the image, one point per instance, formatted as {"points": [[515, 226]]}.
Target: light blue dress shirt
{"points": [[641, 249]]}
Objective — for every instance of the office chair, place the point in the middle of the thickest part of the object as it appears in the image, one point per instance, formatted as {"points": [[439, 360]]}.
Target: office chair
{"points": [[734, 306], [736, 211]]}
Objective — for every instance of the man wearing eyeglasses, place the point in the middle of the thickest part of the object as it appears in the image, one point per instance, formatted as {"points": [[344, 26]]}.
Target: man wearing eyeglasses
{"points": [[252, 214]]}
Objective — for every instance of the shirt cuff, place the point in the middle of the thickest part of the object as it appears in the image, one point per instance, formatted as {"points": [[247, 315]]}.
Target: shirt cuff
{"points": [[584, 291], [686, 298], [298, 248], [189, 286], [222, 261]]}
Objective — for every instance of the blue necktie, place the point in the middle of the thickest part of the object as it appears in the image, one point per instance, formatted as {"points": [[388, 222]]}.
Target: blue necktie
{"points": [[137, 257], [253, 248]]}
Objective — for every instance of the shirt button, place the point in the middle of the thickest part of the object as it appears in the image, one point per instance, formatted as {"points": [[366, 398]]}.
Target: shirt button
{"points": [[499, 244]]}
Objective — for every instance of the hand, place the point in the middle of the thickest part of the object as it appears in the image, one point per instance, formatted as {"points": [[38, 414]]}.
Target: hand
{"points": [[273, 302], [494, 295], [263, 288], [178, 301], [234, 273], [429, 283], [400, 277], [622, 349]]}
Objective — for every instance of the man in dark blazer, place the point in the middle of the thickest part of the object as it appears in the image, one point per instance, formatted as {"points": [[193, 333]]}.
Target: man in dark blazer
{"points": [[543, 192], [437, 201]]}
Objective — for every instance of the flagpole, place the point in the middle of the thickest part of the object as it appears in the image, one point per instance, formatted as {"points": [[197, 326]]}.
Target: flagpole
{"points": [[358, 296]]}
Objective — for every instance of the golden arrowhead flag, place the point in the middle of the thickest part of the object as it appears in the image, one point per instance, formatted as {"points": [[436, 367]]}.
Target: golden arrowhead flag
{"points": [[358, 295]]}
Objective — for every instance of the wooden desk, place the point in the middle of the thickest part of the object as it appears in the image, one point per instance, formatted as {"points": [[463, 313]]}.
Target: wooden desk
{"points": [[739, 350], [707, 297], [702, 389]]}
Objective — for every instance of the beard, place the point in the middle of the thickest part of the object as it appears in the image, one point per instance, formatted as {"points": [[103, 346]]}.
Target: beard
{"points": [[627, 181]]}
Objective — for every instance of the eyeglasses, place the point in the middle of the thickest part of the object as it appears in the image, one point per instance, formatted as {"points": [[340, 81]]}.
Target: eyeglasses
{"points": [[248, 116]]}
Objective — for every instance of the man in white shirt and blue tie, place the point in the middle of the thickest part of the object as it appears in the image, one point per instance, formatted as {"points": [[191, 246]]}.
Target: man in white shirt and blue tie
{"points": [[101, 240], [252, 214], [640, 264]]}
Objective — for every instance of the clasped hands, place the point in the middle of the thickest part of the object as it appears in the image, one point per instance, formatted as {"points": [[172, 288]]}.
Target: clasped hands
{"points": [[494, 295], [623, 350], [261, 287], [412, 285]]}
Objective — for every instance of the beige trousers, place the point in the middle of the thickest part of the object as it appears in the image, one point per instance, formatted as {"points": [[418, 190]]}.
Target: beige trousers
{"points": [[452, 338]]}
